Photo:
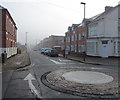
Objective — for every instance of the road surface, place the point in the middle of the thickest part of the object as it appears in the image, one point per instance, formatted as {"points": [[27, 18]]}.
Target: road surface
{"points": [[26, 83]]}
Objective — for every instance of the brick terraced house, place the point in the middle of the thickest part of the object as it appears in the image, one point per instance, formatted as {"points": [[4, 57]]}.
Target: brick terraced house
{"points": [[8, 33], [76, 37]]}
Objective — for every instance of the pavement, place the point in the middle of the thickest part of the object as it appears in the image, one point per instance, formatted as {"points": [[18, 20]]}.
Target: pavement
{"points": [[96, 60], [16, 62]]}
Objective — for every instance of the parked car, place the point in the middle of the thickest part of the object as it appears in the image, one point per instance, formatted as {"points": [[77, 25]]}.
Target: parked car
{"points": [[42, 50], [47, 50], [53, 52]]}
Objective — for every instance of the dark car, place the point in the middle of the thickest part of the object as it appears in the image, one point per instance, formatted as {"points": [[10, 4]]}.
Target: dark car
{"points": [[53, 53]]}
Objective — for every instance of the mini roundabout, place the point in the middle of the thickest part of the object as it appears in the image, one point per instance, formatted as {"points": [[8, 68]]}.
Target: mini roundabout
{"points": [[90, 83]]}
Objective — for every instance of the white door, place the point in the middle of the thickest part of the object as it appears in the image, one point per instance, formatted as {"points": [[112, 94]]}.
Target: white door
{"points": [[105, 49]]}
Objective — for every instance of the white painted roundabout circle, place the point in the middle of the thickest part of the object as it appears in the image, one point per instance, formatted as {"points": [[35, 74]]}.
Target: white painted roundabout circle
{"points": [[87, 77], [83, 82]]}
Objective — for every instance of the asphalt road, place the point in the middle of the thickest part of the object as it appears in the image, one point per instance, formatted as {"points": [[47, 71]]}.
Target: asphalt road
{"points": [[26, 83]]}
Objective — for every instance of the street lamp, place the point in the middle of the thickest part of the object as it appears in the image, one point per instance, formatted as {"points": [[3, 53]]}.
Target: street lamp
{"points": [[84, 8]]}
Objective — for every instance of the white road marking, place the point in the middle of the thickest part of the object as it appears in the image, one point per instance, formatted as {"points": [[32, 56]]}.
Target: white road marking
{"points": [[56, 62], [63, 60], [71, 67], [29, 78], [95, 68]]}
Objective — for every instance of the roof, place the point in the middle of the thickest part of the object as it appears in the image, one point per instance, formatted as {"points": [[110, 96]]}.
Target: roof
{"points": [[94, 17], [1, 7], [105, 12]]}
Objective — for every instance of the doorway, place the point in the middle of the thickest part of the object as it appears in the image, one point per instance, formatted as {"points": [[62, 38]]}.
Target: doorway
{"points": [[105, 50]]}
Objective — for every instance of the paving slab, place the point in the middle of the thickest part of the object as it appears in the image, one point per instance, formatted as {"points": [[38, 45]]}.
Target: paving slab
{"points": [[16, 62]]}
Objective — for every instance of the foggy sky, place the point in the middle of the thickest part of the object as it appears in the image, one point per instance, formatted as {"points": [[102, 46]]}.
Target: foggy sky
{"points": [[42, 18]]}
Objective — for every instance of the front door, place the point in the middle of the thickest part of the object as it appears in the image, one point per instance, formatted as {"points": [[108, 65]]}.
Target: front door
{"points": [[105, 49]]}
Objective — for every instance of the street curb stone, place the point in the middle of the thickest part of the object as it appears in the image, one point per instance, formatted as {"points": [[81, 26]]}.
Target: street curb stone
{"points": [[86, 62], [29, 63]]}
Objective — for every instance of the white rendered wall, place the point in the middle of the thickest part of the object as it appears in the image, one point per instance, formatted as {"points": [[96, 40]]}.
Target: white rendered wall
{"points": [[9, 51]]}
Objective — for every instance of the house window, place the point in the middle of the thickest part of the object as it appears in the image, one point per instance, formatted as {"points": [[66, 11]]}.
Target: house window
{"points": [[73, 32], [72, 48], [83, 36], [90, 47], [96, 47], [68, 39], [72, 37], [114, 47], [75, 37], [93, 30], [68, 48], [118, 27], [81, 48], [104, 42], [118, 47], [75, 48]]}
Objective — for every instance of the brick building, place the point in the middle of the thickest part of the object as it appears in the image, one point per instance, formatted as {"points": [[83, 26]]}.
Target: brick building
{"points": [[8, 32], [75, 38], [52, 41]]}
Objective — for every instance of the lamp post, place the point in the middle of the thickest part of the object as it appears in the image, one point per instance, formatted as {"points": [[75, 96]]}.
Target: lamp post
{"points": [[84, 55], [84, 8]]}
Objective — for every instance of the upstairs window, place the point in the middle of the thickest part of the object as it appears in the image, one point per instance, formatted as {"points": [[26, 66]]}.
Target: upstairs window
{"points": [[75, 37], [93, 30], [72, 37], [68, 39], [79, 36], [83, 36]]}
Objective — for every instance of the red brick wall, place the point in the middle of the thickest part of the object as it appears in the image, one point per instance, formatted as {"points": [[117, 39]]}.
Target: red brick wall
{"points": [[78, 30], [8, 26], [3, 28]]}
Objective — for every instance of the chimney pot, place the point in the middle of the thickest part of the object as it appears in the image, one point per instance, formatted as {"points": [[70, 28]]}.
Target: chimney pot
{"points": [[108, 7]]}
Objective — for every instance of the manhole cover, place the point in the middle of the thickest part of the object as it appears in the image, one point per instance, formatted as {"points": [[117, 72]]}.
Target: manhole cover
{"points": [[87, 77]]}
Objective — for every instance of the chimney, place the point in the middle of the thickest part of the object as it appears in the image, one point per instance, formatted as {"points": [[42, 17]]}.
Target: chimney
{"points": [[108, 7]]}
